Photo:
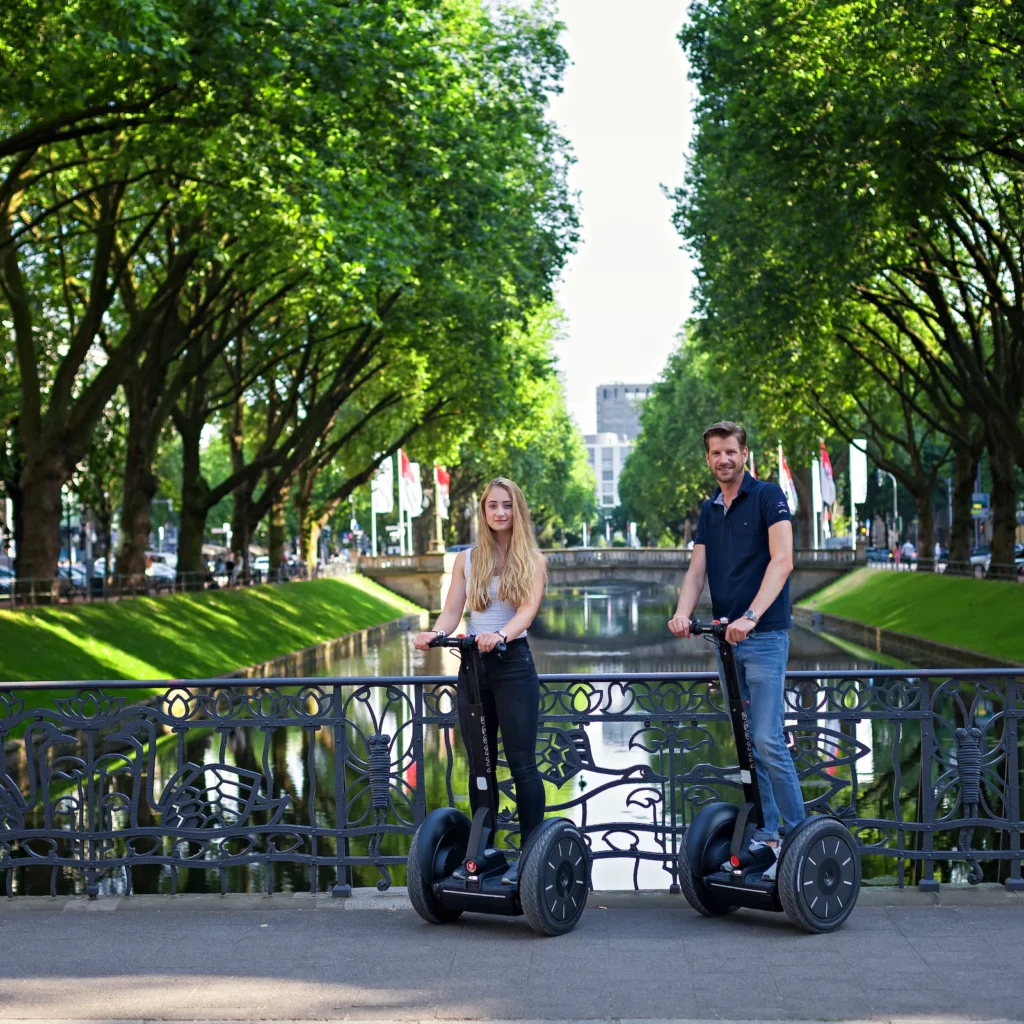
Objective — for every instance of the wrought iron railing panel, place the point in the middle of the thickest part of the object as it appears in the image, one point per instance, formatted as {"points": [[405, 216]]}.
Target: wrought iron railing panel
{"points": [[326, 777]]}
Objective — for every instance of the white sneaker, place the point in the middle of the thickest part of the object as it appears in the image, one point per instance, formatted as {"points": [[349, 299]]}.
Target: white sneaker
{"points": [[755, 846], [768, 875]]}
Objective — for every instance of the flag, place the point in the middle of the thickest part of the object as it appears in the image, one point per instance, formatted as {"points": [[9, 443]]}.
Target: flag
{"points": [[786, 483], [443, 479], [382, 488], [828, 485], [753, 472], [410, 484]]}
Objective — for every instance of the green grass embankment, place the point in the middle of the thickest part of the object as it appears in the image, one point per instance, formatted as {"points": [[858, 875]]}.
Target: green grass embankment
{"points": [[977, 615], [189, 636]]}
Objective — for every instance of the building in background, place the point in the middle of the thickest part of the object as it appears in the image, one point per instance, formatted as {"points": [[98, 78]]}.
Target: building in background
{"points": [[618, 408], [618, 425]]}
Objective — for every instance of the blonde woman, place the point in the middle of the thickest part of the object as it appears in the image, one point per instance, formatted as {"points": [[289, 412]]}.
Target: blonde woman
{"points": [[502, 580]]}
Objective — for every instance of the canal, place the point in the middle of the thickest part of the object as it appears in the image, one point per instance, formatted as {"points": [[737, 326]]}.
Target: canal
{"points": [[606, 631]]}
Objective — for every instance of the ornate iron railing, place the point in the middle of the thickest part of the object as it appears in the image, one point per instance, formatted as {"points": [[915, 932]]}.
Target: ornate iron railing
{"points": [[104, 784]]}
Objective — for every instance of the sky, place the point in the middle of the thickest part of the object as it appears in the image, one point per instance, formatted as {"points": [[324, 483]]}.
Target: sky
{"points": [[626, 111]]}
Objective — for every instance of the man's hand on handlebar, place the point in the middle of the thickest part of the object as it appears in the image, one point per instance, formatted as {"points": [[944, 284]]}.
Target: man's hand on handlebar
{"points": [[738, 630], [487, 642], [421, 641], [679, 625]]}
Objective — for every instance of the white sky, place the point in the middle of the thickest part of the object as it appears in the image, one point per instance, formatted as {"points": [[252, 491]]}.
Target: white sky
{"points": [[626, 111]]}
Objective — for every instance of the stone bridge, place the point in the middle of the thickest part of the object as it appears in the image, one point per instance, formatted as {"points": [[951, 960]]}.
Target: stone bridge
{"points": [[425, 578]]}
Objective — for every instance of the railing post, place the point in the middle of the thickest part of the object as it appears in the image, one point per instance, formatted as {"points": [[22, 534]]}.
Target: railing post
{"points": [[926, 812], [1013, 709], [343, 880]]}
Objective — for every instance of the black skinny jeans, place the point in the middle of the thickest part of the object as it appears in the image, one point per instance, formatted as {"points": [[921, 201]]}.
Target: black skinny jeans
{"points": [[510, 691]]}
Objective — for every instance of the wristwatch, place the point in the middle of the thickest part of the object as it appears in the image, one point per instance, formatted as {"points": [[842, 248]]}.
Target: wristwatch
{"points": [[752, 615], [439, 633], [503, 635]]}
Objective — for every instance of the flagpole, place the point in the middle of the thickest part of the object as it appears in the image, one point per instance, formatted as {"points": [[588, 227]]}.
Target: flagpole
{"points": [[401, 505]]}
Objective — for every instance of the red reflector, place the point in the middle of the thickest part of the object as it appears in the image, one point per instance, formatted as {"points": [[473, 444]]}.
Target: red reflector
{"points": [[471, 866], [734, 861]]}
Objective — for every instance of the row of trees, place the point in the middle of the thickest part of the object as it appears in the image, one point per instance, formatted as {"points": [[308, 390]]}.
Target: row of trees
{"points": [[315, 231], [855, 200]]}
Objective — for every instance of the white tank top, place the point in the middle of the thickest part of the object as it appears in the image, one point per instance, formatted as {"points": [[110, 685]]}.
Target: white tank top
{"points": [[496, 615]]}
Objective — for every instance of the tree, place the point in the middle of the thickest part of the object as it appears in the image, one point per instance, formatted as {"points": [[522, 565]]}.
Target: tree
{"points": [[856, 165]]}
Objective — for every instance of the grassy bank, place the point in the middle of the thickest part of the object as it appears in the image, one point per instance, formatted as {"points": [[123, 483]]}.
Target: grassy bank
{"points": [[189, 635], [978, 615]]}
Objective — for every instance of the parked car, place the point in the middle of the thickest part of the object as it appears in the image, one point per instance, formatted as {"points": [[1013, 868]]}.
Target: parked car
{"points": [[6, 579], [163, 576], [981, 559], [261, 563], [879, 555]]}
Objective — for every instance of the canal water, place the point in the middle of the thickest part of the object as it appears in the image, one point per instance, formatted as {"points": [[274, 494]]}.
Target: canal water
{"points": [[604, 630]]}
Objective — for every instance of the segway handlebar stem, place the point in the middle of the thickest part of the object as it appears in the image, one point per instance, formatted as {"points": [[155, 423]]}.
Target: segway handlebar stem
{"points": [[715, 631]]}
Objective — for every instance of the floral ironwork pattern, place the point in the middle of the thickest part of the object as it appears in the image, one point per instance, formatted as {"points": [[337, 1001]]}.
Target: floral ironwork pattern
{"points": [[202, 775]]}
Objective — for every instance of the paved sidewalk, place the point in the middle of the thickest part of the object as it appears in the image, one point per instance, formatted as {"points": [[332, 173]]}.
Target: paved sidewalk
{"points": [[633, 957]]}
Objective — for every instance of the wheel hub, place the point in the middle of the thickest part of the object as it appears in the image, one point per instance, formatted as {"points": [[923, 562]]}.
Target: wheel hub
{"points": [[827, 876], [564, 877]]}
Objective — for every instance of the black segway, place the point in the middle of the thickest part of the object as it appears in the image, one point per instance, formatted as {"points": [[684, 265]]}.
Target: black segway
{"points": [[454, 865], [818, 876]]}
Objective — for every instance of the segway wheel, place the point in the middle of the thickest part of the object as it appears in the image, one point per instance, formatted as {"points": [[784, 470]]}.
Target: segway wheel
{"points": [[554, 879], [707, 843], [819, 876], [438, 848]]}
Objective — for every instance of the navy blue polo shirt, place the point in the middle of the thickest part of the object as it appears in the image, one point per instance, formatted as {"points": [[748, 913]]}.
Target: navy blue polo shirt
{"points": [[736, 543]]}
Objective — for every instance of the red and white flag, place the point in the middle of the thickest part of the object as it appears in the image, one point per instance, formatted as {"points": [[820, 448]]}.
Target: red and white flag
{"points": [[443, 480], [786, 483], [410, 486], [828, 484]]}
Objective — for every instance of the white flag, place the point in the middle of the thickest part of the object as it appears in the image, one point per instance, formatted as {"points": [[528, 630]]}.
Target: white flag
{"points": [[382, 489]]}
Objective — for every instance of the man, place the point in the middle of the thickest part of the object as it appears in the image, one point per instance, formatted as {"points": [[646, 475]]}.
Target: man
{"points": [[744, 549]]}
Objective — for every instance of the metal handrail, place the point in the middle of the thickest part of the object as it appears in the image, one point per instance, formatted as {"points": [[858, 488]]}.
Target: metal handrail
{"points": [[89, 763]]}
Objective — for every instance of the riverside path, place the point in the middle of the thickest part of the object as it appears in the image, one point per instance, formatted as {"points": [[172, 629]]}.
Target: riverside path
{"points": [[903, 956]]}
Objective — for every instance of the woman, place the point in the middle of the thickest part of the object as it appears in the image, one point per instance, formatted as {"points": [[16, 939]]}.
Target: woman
{"points": [[502, 579]]}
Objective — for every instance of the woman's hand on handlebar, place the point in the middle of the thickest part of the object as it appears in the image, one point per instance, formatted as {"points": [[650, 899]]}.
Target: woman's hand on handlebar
{"points": [[487, 642], [679, 625], [421, 641]]}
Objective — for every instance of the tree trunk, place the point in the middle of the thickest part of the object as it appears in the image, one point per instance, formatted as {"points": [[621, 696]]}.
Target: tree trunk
{"points": [[1002, 466], [925, 531], [962, 527], [39, 544], [194, 507], [140, 487], [276, 543], [241, 526]]}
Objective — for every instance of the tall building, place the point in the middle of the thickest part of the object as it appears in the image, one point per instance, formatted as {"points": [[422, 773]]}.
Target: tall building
{"points": [[618, 408], [618, 425], [607, 453]]}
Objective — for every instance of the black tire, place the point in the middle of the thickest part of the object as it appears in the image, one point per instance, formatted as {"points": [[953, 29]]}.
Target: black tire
{"points": [[691, 877], [819, 876], [438, 848], [554, 878]]}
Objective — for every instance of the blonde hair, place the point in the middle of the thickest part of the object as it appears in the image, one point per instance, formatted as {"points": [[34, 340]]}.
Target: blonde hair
{"points": [[519, 573]]}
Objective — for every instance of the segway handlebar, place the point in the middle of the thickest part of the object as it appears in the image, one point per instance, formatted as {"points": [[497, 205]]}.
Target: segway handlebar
{"points": [[715, 629], [462, 643]]}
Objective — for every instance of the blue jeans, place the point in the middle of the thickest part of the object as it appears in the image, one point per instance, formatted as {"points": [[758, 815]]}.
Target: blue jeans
{"points": [[761, 668]]}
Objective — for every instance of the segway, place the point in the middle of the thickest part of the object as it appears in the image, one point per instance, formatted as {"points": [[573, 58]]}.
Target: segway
{"points": [[454, 865], [818, 875]]}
